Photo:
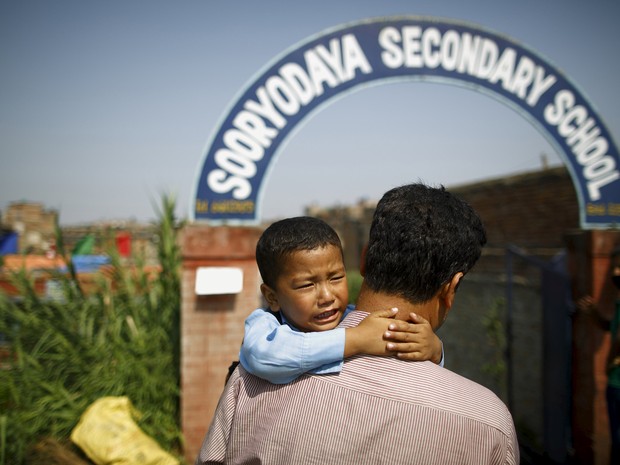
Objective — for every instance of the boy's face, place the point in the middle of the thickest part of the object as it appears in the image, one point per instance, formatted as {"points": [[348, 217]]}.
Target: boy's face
{"points": [[311, 291]]}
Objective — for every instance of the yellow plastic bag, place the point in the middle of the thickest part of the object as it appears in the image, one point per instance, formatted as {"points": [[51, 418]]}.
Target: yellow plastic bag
{"points": [[108, 435]]}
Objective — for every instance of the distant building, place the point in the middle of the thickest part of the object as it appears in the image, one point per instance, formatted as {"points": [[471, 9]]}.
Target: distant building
{"points": [[532, 210], [88, 246], [34, 225], [127, 237]]}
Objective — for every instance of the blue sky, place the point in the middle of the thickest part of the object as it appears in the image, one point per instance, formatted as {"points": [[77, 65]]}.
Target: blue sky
{"points": [[105, 105]]}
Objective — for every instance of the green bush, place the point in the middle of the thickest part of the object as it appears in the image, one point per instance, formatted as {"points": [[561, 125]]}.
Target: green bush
{"points": [[354, 282], [122, 339]]}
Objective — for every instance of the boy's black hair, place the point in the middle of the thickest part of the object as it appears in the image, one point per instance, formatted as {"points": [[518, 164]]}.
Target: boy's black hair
{"points": [[420, 238], [290, 235]]}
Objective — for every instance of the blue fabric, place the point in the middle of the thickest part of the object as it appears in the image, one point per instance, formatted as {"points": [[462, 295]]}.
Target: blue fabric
{"points": [[89, 263], [286, 353], [9, 244], [280, 353]]}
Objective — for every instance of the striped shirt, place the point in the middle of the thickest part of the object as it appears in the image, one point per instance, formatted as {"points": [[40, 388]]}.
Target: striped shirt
{"points": [[378, 410]]}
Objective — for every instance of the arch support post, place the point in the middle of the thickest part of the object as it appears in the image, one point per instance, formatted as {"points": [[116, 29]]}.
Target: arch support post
{"points": [[589, 268], [212, 323]]}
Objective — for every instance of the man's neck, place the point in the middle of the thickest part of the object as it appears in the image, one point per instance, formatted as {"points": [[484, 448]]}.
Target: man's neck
{"points": [[370, 301]]}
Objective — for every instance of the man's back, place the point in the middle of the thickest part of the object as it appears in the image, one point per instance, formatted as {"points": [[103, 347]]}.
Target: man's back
{"points": [[378, 410]]}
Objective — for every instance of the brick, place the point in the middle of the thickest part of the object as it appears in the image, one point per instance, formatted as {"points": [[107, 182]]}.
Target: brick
{"points": [[212, 326]]}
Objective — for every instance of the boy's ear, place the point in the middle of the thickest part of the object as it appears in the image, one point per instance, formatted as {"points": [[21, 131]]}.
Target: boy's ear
{"points": [[449, 290], [271, 297]]}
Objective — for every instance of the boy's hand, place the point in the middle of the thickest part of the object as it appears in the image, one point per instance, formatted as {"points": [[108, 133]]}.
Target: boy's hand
{"points": [[414, 341], [368, 336]]}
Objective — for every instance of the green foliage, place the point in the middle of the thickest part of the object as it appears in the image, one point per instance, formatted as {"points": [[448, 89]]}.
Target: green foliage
{"points": [[354, 282], [120, 339], [496, 337]]}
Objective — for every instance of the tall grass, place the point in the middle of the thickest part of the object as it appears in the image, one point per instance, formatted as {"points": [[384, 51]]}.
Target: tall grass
{"points": [[122, 338]]}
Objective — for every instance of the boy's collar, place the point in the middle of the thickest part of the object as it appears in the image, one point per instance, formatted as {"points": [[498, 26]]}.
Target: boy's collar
{"points": [[285, 322]]}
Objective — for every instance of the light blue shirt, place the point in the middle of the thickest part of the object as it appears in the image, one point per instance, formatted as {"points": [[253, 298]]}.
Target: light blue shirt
{"points": [[280, 353]]}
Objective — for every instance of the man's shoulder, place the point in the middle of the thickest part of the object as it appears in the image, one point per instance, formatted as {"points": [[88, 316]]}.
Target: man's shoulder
{"points": [[470, 395], [426, 385], [407, 376], [470, 399], [352, 317]]}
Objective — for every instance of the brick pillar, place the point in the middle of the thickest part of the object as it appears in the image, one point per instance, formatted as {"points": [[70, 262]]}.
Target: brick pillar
{"points": [[589, 266], [212, 325]]}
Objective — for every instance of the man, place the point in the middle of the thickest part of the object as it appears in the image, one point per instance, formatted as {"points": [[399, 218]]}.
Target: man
{"points": [[380, 409]]}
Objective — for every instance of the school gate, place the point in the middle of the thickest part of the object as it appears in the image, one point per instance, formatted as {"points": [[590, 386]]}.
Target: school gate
{"points": [[220, 282]]}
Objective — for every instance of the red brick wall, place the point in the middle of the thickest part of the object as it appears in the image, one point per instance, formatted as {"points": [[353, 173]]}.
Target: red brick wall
{"points": [[212, 326]]}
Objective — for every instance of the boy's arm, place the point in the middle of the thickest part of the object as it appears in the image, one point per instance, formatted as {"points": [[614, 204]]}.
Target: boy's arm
{"points": [[279, 354], [408, 341]]}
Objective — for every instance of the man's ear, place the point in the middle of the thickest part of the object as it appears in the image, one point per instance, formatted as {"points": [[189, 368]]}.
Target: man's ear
{"points": [[271, 297], [449, 289]]}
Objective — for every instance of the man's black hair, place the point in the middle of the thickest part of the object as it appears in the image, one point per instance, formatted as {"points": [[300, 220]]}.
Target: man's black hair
{"points": [[420, 237]]}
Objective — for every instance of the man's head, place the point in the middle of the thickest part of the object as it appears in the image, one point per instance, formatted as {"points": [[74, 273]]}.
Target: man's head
{"points": [[421, 238], [301, 263]]}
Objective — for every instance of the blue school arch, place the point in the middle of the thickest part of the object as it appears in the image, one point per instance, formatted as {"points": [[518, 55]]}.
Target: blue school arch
{"points": [[349, 57]]}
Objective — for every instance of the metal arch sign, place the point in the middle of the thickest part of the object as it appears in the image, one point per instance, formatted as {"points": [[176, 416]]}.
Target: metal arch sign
{"points": [[351, 56]]}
